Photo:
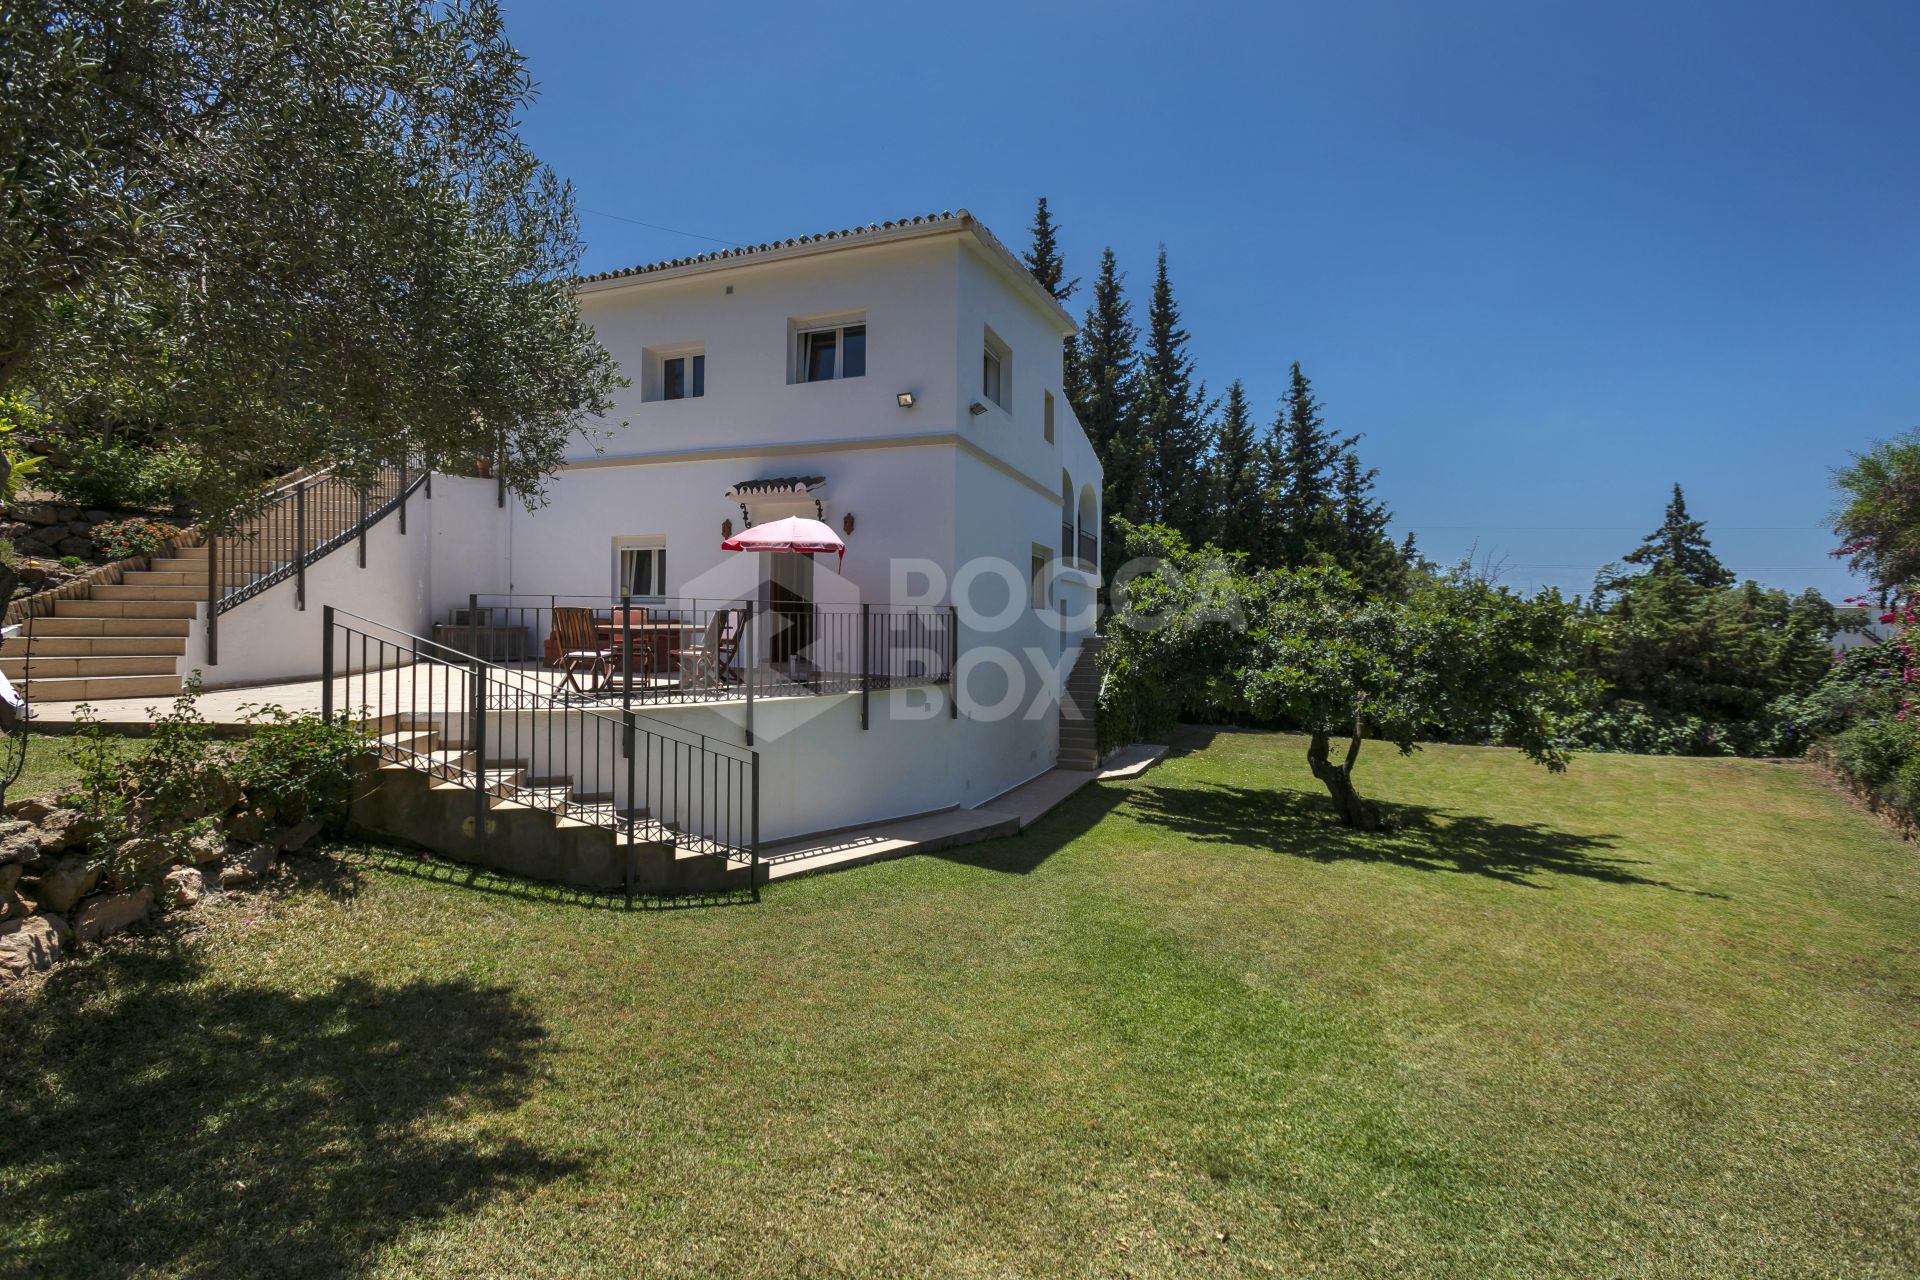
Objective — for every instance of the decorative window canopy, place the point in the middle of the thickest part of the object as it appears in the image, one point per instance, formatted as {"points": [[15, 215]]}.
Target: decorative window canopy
{"points": [[778, 496]]}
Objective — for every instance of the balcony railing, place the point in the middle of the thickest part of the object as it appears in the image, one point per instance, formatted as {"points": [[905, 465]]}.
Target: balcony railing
{"points": [[651, 651]]}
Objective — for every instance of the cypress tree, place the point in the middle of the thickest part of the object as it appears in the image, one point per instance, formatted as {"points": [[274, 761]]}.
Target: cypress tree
{"points": [[1237, 488], [1105, 394], [1173, 411], [1679, 546]]}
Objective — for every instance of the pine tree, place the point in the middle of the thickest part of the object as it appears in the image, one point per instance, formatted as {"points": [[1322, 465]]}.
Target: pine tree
{"points": [[1174, 415], [1303, 455], [1043, 260], [1237, 486], [1679, 546], [1105, 395], [1043, 256], [1362, 521]]}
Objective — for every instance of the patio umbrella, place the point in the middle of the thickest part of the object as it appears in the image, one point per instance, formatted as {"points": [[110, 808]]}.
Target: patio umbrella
{"points": [[793, 534]]}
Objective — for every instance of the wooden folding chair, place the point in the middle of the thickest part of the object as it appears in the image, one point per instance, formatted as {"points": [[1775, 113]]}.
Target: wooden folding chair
{"points": [[697, 662], [580, 650]]}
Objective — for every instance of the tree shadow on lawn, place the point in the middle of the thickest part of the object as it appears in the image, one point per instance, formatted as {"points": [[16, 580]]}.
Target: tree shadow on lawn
{"points": [[158, 1125], [1417, 836]]}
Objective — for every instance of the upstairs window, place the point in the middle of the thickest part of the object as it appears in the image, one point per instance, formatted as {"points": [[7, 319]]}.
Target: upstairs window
{"points": [[683, 377], [839, 352], [996, 371], [1046, 415]]}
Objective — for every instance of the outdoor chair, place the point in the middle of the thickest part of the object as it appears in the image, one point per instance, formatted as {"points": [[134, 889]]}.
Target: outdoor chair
{"points": [[580, 650], [706, 663], [633, 648]]}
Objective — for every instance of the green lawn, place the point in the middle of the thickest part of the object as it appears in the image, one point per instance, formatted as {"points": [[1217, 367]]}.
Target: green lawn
{"points": [[1649, 1018]]}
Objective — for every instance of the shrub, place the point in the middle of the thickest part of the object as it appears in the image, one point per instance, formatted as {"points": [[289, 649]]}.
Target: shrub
{"points": [[299, 763], [181, 770], [72, 562], [123, 474], [121, 539]]}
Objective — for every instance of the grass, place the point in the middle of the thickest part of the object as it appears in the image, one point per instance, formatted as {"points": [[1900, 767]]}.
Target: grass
{"points": [[1650, 1018]]}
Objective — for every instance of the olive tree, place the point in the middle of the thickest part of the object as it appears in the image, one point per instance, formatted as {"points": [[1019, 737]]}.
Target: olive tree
{"points": [[1195, 633], [292, 233]]}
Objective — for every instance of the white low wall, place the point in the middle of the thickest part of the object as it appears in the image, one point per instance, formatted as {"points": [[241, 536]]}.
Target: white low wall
{"points": [[268, 638]]}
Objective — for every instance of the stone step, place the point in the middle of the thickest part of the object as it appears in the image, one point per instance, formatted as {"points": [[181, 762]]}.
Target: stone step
{"points": [[40, 666], [98, 688], [110, 608], [46, 646], [98, 625], [163, 578], [144, 591]]}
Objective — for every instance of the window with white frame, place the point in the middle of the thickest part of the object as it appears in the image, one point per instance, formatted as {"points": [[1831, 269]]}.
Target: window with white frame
{"points": [[683, 377], [673, 373], [640, 566], [996, 371], [825, 352]]}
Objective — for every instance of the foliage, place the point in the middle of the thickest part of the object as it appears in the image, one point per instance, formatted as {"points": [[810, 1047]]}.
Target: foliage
{"points": [[124, 539], [1175, 413], [178, 771], [1238, 481], [16, 465], [1103, 386], [123, 473], [100, 788], [1699, 670], [71, 562], [1313, 649], [299, 763], [1678, 548], [293, 233], [1043, 255], [1878, 519]]}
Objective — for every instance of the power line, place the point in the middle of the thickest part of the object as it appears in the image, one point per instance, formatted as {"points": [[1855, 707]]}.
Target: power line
{"points": [[654, 226]]}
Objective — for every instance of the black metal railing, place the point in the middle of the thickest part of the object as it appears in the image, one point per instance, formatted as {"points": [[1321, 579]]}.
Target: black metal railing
{"points": [[305, 518], [672, 650], [1089, 551], [498, 730]]}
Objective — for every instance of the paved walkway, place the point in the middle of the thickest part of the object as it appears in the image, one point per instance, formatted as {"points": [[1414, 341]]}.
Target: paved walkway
{"points": [[1004, 815]]}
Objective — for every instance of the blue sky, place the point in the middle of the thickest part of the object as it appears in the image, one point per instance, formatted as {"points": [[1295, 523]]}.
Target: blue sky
{"points": [[1549, 257]]}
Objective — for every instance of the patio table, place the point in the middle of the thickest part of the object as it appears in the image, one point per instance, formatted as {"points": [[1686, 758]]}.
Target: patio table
{"points": [[660, 635]]}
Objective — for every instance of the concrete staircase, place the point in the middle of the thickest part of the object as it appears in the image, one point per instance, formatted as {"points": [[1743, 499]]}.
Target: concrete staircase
{"points": [[125, 640], [1080, 710], [419, 788]]}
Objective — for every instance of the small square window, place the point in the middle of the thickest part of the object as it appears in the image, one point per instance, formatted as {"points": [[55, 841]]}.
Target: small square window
{"points": [[676, 374]]}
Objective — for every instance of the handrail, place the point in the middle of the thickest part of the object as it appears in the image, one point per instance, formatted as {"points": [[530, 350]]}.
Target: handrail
{"points": [[278, 541], [645, 784]]}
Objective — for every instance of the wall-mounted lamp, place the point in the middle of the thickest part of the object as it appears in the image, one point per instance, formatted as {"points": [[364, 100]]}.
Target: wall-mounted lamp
{"points": [[904, 399], [846, 524], [976, 408], [726, 530]]}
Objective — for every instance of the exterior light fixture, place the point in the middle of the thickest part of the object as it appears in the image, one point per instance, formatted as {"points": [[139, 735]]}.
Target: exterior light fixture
{"points": [[846, 524], [976, 408], [904, 399], [726, 530]]}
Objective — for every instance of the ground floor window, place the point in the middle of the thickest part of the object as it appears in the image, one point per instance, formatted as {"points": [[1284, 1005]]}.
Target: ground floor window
{"points": [[640, 566]]}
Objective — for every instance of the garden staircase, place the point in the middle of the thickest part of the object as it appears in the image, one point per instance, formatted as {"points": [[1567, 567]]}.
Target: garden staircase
{"points": [[1080, 710], [123, 640], [421, 787]]}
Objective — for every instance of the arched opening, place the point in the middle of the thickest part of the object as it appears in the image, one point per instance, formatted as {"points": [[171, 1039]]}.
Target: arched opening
{"points": [[1066, 517], [1088, 542]]}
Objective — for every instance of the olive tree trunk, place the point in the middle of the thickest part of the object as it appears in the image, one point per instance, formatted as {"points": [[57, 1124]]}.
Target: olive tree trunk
{"points": [[1354, 811]]}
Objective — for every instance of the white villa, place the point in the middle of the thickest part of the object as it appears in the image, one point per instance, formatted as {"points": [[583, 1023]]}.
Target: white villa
{"points": [[602, 664]]}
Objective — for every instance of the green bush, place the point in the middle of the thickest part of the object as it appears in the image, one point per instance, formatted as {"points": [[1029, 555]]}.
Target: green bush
{"points": [[300, 764], [123, 475], [72, 562]]}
